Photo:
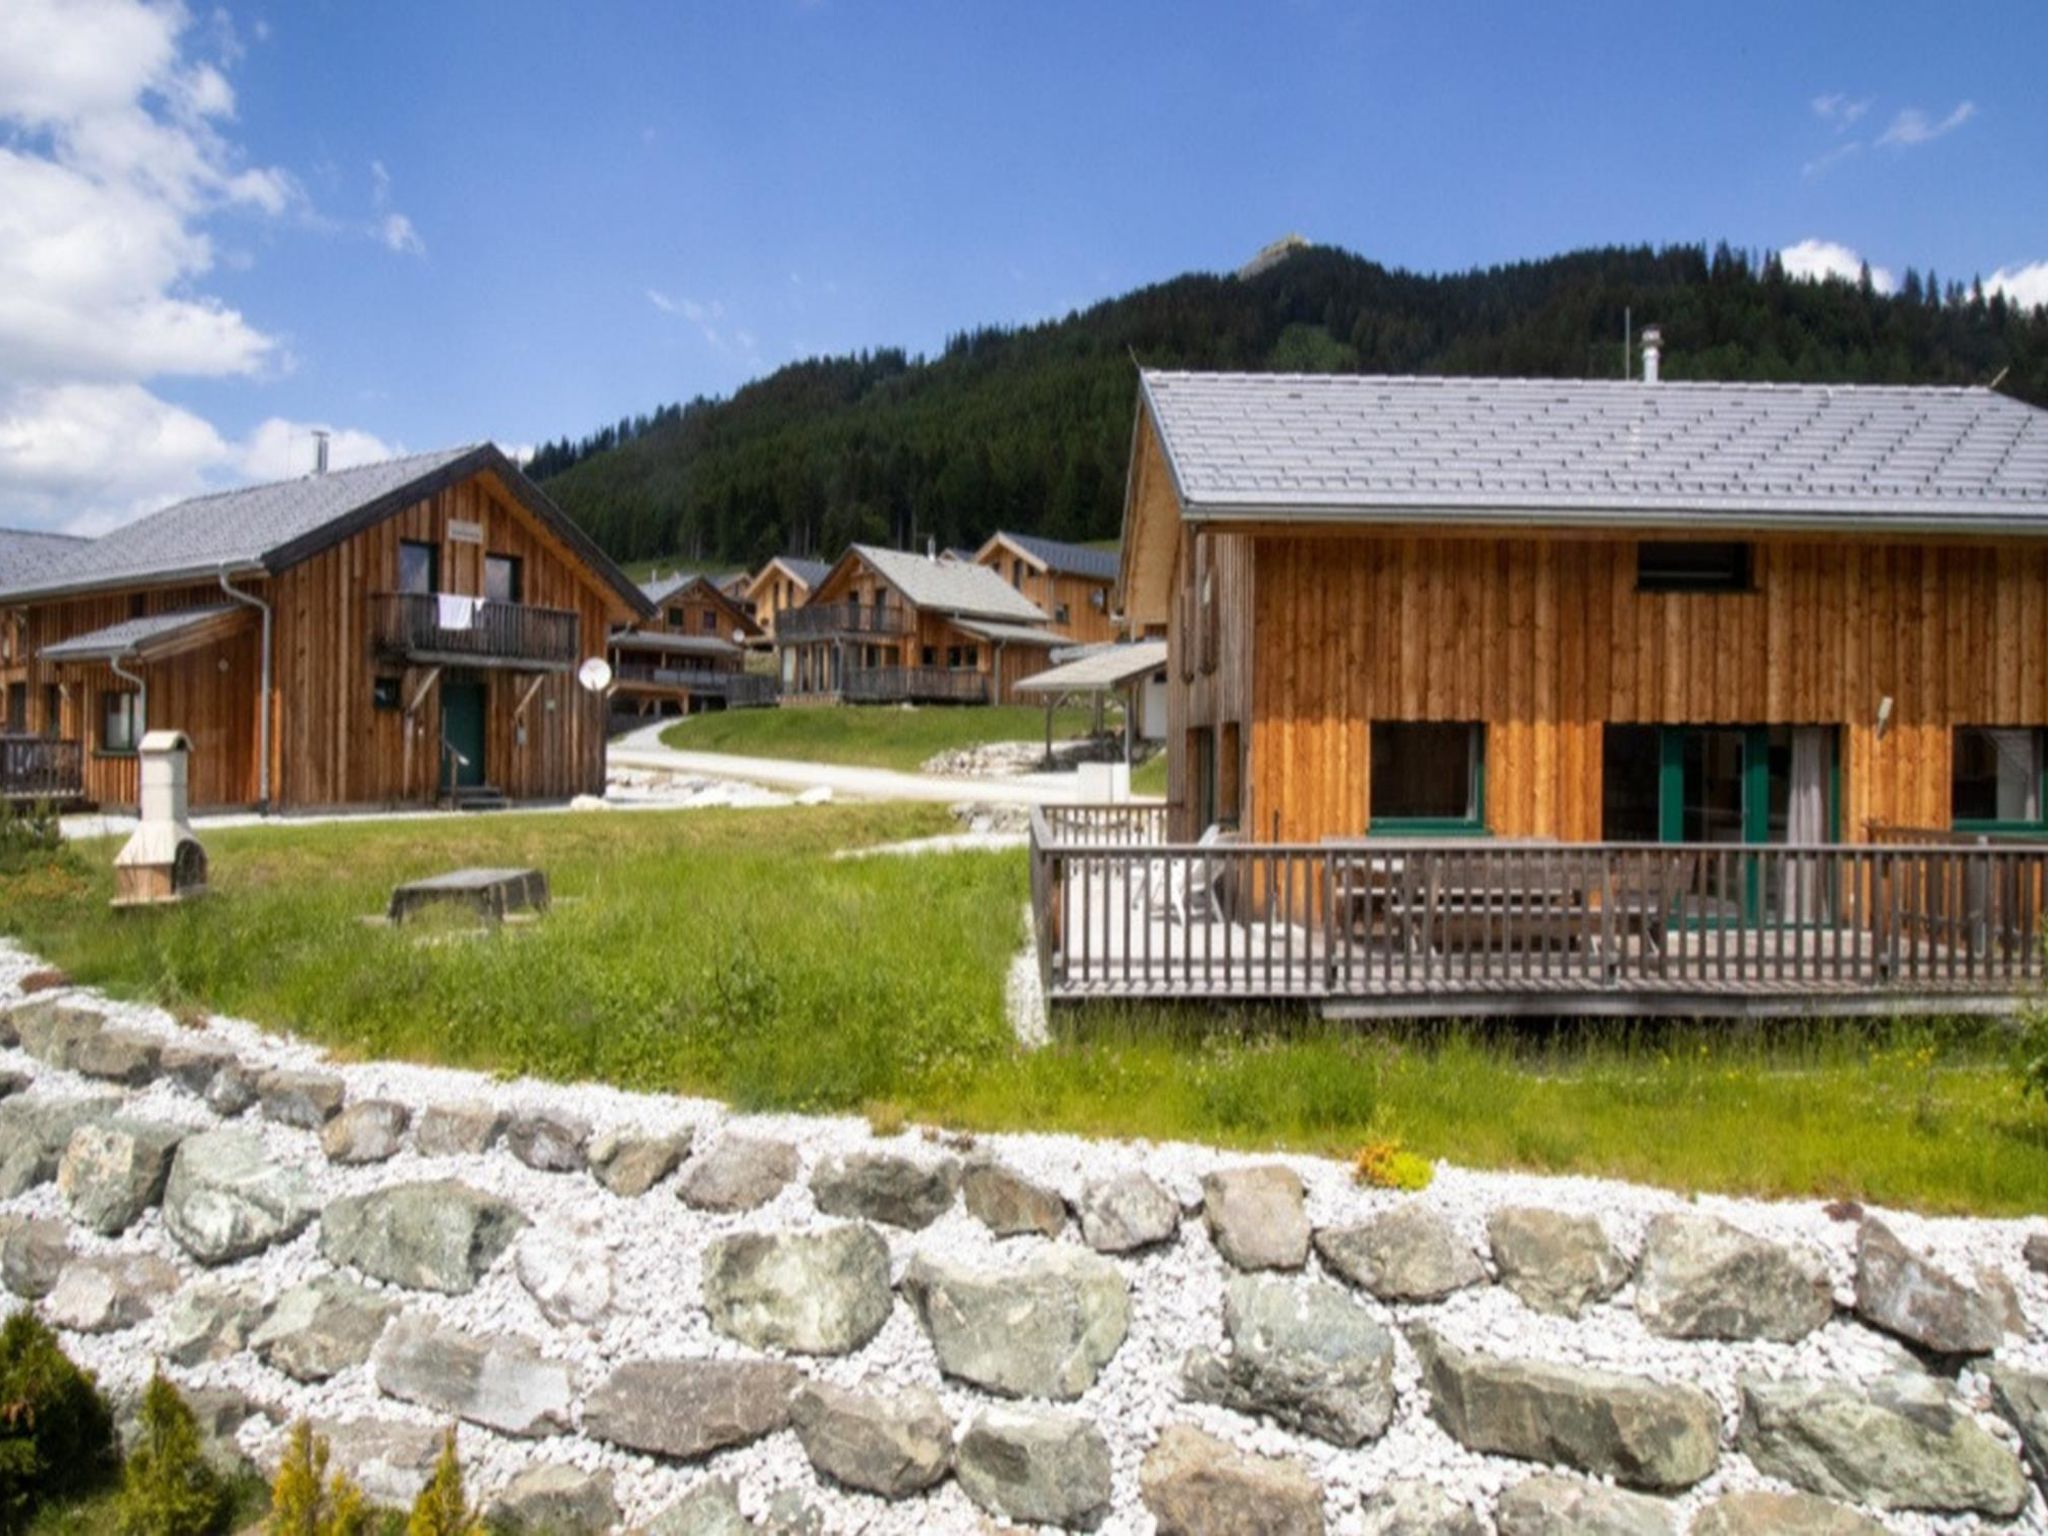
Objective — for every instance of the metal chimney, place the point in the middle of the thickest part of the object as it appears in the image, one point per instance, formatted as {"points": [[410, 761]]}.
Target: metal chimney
{"points": [[319, 451], [1653, 351]]}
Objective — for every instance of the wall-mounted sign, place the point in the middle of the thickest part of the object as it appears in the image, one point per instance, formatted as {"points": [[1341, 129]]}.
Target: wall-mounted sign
{"points": [[462, 531]]}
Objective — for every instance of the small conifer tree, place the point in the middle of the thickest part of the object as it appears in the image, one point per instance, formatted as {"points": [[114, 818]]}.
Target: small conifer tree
{"points": [[168, 1487], [441, 1509], [56, 1435], [304, 1501]]}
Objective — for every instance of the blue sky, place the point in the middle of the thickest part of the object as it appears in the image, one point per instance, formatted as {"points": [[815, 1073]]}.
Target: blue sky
{"points": [[428, 223]]}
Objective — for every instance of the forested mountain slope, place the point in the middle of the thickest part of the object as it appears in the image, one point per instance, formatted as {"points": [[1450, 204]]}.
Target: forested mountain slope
{"points": [[1029, 428]]}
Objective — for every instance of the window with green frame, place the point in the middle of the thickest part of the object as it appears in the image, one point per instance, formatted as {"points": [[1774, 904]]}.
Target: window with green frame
{"points": [[1997, 781], [1428, 778]]}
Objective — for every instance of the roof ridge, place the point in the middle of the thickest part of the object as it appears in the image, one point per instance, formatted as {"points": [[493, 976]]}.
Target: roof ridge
{"points": [[331, 474], [1553, 381]]}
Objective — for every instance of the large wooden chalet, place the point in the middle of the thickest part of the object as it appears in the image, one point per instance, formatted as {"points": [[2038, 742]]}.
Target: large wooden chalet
{"points": [[785, 582], [886, 626], [1073, 585], [402, 633], [689, 656], [1499, 694]]}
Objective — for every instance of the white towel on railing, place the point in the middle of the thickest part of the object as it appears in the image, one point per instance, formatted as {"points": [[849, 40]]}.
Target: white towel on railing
{"points": [[456, 611]]}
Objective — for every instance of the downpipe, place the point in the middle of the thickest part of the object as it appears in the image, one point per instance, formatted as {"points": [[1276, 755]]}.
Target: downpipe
{"points": [[263, 715]]}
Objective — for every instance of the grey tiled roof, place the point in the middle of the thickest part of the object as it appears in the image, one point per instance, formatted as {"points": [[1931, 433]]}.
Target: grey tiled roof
{"points": [[1102, 666], [947, 586], [809, 572], [123, 638], [1067, 559], [1337, 446], [679, 645], [660, 588], [273, 526], [1012, 634], [26, 552]]}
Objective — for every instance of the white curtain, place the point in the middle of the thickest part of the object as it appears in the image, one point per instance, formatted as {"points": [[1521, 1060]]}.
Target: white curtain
{"points": [[2019, 774], [1806, 817]]}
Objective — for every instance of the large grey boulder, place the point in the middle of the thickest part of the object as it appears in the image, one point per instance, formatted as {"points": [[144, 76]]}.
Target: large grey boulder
{"points": [[457, 1130], [553, 1499], [1409, 1254], [305, 1099], [894, 1445], [499, 1381], [1411, 1507], [440, 1235], [1308, 1355], [33, 1253], [1555, 1263], [1196, 1485], [568, 1273], [880, 1186], [738, 1173], [321, 1328], [227, 1200], [1047, 1468], [1549, 1504], [629, 1163], [689, 1408], [191, 1064], [1127, 1212], [34, 1132], [2034, 1252], [1639, 1432], [712, 1508], [1910, 1296], [125, 1056], [389, 1459], [552, 1140], [1009, 1204], [1780, 1514], [114, 1170], [109, 1293], [1903, 1442], [812, 1293], [2022, 1397], [210, 1321], [54, 1032], [1256, 1216], [1701, 1278], [369, 1132], [1042, 1328]]}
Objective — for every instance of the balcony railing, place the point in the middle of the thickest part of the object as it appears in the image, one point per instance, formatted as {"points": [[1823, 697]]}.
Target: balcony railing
{"points": [[408, 626], [913, 685], [36, 768], [740, 690], [824, 620], [1493, 927]]}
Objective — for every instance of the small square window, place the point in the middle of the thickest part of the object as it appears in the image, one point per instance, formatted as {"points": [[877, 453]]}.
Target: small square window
{"points": [[384, 693], [1687, 566], [1997, 777], [1428, 775], [120, 721], [1060, 615]]}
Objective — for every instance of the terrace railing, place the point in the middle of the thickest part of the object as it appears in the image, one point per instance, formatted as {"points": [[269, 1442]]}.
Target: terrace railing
{"points": [[1492, 926], [36, 768], [740, 690], [408, 626], [822, 621], [919, 685]]}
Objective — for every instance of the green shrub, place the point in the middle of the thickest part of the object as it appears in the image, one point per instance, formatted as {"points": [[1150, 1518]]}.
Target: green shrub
{"points": [[168, 1487], [56, 1435], [2033, 1055], [304, 1501], [30, 837], [441, 1509]]}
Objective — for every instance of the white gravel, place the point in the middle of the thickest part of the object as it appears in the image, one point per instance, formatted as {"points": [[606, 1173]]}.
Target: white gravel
{"points": [[655, 1244]]}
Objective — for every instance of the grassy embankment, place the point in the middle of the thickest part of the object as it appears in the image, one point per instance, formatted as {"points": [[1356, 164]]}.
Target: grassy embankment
{"points": [[725, 953], [869, 736]]}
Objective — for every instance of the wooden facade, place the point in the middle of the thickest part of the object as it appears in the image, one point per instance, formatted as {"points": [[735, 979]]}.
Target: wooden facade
{"points": [[356, 721], [1081, 608], [776, 588]]}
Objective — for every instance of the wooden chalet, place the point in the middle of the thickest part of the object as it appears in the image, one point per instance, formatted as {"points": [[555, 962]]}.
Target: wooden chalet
{"points": [[783, 583], [1073, 585], [689, 656], [402, 633], [1496, 695], [885, 626]]}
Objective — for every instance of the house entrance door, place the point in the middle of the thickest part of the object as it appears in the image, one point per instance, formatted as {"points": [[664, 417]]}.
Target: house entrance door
{"points": [[462, 734]]}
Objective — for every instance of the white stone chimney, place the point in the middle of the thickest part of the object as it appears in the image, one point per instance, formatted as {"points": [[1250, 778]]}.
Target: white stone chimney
{"points": [[1653, 352]]}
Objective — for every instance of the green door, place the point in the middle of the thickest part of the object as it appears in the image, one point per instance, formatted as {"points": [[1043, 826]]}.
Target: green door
{"points": [[462, 735], [1736, 784]]}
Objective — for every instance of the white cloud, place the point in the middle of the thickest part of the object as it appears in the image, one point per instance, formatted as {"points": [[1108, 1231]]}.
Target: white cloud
{"points": [[1821, 164], [1818, 260], [1838, 110], [393, 229], [2025, 286], [278, 449], [114, 164], [709, 319], [1913, 126]]}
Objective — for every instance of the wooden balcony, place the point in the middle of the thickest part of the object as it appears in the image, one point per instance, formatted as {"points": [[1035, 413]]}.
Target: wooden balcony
{"points": [[1483, 927], [828, 621], [408, 626], [740, 690], [913, 685], [34, 769]]}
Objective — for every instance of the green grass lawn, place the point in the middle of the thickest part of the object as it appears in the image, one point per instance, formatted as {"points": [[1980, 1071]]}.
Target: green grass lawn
{"points": [[725, 952], [868, 735]]}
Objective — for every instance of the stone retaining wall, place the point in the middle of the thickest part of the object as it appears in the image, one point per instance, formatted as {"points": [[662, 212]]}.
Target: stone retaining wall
{"points": [[648, 1314]]}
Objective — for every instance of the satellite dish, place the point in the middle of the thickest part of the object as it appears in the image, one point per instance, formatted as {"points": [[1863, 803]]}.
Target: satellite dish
{"points": [[739, 636], [595, 674]]}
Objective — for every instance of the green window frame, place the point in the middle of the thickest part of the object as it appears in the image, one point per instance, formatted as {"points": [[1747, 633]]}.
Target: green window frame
{"points": [[1471, 824], [2037, 827]]}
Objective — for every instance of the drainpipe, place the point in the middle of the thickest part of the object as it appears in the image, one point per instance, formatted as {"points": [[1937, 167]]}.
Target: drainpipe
{"points": [[141, 694], [263, 717]]}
